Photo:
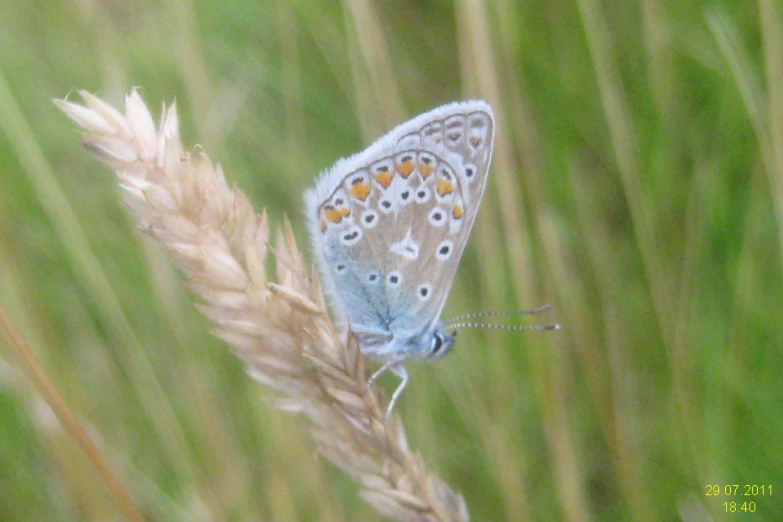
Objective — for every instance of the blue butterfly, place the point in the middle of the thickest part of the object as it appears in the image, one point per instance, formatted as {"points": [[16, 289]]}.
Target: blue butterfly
{"points": [[389, 226]]}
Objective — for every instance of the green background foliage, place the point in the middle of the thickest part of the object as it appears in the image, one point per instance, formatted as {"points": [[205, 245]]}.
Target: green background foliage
{"points": [[637, 185]]}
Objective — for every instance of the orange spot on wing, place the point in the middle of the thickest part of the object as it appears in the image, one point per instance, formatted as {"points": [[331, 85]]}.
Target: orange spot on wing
{"points": [[405, 168], [360, 190], [323, 226], [457, 211], [384, 178], [445, 187], [332, 214], [425, 169], [344, 211]]}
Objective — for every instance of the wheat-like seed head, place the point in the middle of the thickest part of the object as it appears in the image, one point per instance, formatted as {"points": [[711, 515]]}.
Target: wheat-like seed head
{"points": [[278, 326]]}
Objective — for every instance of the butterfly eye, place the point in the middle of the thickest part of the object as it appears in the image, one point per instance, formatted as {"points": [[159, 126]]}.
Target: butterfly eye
{"points": [[437, 344]]}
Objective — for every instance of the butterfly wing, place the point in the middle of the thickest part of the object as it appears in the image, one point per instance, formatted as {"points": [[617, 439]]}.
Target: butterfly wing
{"points": [[389, 225]]}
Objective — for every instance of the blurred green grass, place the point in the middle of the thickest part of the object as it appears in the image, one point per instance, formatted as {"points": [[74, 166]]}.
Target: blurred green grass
{"points": [[637, 184]]}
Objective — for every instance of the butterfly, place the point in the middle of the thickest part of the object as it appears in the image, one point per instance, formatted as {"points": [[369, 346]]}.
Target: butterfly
{"points": [[389, 225]]}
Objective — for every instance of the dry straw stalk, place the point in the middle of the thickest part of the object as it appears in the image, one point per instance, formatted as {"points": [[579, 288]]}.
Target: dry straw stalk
{"points": [[279, 325]]}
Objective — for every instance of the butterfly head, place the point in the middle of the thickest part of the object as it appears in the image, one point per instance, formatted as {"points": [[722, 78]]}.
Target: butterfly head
{"points": [[429, 343], [441, 342], [432, 344]]}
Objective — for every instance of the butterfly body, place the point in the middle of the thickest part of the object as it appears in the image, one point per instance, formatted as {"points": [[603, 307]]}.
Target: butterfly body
{"points": [[389, 226]]}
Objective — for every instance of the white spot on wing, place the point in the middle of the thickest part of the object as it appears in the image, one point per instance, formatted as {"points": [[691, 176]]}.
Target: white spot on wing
{"points": [[437, 217], [444, 250], [370, 219], [406, 247], [422, 194], [405, 195], [394, 279], [424, 292], [470, 171], [351, 236], [387, 205]]}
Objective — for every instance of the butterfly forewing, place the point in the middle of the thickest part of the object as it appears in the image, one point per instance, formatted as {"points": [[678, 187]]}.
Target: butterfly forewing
{"points": [[389, 225]]}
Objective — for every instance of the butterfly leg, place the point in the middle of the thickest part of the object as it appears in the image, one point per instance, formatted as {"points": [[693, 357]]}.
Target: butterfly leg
{"points": [[396, 368], [378, 373], [399, 371]]}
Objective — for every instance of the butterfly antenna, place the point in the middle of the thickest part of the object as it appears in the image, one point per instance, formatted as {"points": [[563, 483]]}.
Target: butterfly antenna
{"points": [[451, 322], [512, 328]]}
